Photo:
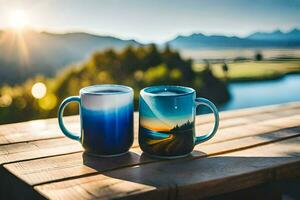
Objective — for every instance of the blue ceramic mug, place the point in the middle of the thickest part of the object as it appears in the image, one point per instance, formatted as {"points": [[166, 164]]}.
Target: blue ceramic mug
{"points": [[167, 121], [106, 113]]}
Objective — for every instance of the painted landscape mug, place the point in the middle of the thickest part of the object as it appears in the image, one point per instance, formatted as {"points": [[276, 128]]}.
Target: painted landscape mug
{"points": [[106, 114], [167, 121]]}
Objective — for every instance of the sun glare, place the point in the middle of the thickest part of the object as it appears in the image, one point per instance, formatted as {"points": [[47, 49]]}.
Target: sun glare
{"points": [[18, 19]]}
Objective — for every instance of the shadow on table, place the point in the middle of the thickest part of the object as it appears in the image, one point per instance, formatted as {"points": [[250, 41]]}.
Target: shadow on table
{"points": [[200, 177], [128, 159]]}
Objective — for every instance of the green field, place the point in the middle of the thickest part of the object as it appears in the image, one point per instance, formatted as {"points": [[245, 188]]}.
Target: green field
{"points": [[253, 70]]}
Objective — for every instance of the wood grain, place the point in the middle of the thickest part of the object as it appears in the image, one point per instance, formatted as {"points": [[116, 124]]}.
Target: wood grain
{"points": [[55, 168], [28, 150], [48, 128], [36, 155], [185, 179], [37, 149]]}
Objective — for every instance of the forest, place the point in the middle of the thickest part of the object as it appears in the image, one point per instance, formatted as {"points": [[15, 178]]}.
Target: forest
{"points": [[137, 67]]}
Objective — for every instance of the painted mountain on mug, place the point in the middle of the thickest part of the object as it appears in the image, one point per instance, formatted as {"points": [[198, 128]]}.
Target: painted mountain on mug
{"points": [[179, 140], [275, 39]]}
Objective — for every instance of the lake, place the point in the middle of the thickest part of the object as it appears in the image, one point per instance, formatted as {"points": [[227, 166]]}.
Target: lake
{"points": [[232, 53], [261, 93]]}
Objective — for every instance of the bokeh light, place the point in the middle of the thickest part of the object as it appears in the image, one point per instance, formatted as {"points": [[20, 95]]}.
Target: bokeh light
{"points": [[48, 102], [138, 75], [5, 100], [38, 90]]}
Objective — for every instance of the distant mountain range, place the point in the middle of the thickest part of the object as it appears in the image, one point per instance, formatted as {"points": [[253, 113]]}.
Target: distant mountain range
{"points": [[293, 35], [32, 52], [276, 39]]}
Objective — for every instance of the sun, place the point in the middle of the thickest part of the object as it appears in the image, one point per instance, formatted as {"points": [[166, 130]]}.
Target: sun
{"points": [[18, 19]]}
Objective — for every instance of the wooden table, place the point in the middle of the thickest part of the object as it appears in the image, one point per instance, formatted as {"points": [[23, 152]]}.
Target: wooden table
{"points": [[254, 149]]}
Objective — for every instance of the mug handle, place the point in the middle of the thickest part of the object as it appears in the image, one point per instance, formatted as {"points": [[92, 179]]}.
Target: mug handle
{"points": [[60, 117], [212, 107]]}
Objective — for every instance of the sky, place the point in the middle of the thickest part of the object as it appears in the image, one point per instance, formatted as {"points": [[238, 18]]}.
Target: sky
{"points": [[163, 113], [155, 20]]}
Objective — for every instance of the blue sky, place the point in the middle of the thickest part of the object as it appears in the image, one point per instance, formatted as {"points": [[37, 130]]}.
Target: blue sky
{"points": [[164, 113], [156, 20]]}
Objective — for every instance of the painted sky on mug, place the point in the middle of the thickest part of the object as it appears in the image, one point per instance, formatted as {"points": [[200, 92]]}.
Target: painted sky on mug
{"points": [[163, 114]]}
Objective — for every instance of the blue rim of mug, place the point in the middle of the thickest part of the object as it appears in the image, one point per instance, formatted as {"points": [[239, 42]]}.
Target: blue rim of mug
{"points": [[122, 89], [185, 90]]}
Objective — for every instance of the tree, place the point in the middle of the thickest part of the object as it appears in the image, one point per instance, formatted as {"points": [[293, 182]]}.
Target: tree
{"points": [[137, 67], [258, 56], [129, 60], [152, 57], [213, 88], [225, 69], [173, 60]]}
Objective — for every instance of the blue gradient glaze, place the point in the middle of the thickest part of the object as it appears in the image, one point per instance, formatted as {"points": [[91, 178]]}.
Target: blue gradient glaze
{"points": [[107, 132], [106, 113]]}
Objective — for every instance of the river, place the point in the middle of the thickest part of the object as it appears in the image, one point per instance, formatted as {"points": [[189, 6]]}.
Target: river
{"points": [[261, 93]]}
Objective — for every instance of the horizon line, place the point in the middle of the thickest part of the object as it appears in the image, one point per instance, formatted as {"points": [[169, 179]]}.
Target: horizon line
{"points": [[93, 33]]}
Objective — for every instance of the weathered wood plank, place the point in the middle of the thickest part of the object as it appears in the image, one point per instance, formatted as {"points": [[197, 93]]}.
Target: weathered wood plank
{"points": [[44, 170], [185, 179], [252, 130], [28, 150], [35, 130], [42, 124], [37, 149], [256, 128], [259, 110], [46, 129], [247, 119]]}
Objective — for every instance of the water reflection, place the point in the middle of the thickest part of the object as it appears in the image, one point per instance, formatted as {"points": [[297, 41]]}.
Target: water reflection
{"points": [[260, 93]]}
